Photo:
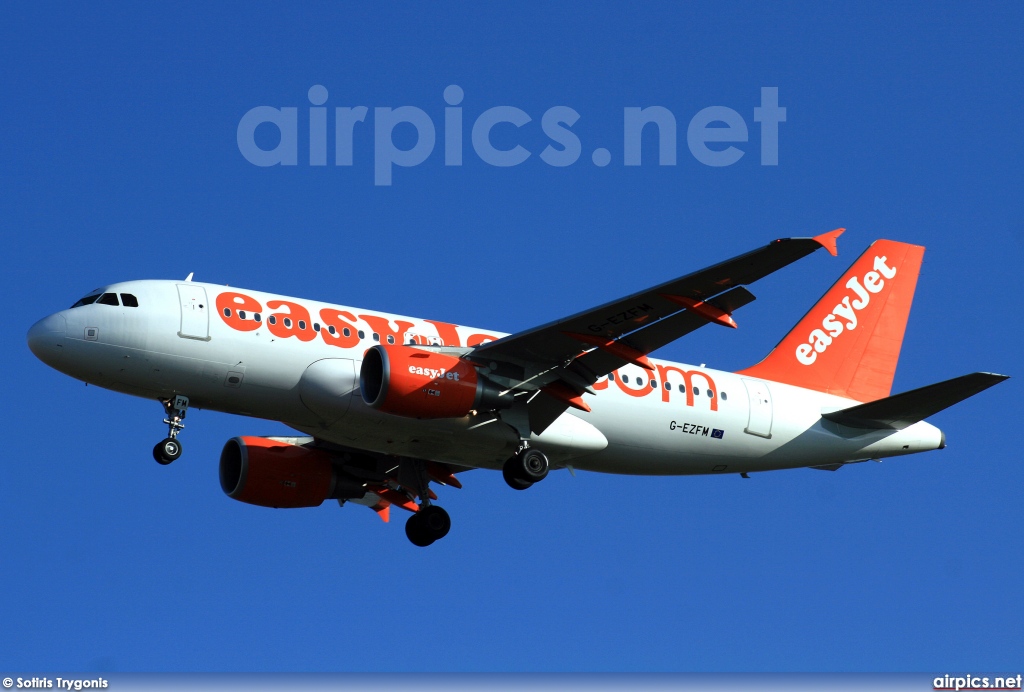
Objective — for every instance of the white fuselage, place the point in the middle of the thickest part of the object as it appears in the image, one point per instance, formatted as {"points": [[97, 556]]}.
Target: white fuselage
{"points": [[178, 341]]}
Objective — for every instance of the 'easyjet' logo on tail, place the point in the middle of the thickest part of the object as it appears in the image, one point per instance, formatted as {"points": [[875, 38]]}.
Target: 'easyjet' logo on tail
{"points": [[844, 315]]}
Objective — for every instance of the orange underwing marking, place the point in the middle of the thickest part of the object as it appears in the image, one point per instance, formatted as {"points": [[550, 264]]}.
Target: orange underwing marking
{"points": [[630, 355], [442, 475], [395, 498], [828, 240], [383, 510], [564, 393], [699, 307]]}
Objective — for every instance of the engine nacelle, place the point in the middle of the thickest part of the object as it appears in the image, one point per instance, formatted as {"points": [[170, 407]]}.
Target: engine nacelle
{"points": [[412, 382], [272, 473]]}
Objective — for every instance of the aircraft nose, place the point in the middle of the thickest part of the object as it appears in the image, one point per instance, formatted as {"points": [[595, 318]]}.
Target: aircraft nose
{"points": [[46, 338]]}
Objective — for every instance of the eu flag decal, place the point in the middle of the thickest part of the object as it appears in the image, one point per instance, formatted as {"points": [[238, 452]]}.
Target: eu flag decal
{"points": [[717, 434]]}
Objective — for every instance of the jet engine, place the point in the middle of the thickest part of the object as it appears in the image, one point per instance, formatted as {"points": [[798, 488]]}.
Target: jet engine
{"points": [[274, 473], [415, 383]]}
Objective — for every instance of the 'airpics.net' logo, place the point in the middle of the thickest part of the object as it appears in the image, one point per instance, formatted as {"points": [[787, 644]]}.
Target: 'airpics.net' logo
{"points": [[712, 135]]}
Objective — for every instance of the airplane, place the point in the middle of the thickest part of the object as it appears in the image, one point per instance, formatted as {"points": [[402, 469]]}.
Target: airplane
{"points": [[387, 405]]}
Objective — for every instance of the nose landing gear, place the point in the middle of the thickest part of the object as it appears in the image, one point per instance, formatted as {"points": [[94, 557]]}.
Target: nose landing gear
{"points": [[169, 449]]}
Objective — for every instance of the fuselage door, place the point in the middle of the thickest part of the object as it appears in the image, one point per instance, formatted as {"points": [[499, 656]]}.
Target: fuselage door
{"points": [[759, 421], [195, 312]]}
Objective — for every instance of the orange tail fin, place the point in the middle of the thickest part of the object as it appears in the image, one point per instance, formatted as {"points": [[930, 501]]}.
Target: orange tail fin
{"points": [[849, 342]]}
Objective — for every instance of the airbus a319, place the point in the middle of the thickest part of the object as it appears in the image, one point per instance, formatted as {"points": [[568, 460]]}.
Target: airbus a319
{"points": [[386, 406]]}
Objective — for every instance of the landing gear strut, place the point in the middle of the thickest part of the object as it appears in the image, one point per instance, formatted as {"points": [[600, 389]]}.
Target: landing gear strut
{"points": [[527, 467], [169, 449]]}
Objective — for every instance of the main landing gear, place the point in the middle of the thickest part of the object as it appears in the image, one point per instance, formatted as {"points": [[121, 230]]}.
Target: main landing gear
{"points": [[527, 467], [169, 449], [431, 523]]}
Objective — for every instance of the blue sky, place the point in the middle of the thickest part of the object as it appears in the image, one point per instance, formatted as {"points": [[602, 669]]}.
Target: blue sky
{"points": [[119, 160]]}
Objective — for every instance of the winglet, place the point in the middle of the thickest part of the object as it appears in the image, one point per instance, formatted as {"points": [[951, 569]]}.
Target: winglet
{"points": [[828, 240]]}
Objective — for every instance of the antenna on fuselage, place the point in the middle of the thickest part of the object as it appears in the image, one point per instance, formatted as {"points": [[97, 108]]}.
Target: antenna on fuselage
{"points": [[189, 277]]}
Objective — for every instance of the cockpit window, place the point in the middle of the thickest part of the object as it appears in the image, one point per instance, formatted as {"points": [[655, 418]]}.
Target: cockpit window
{"points": [[108, 299], [129, 301], [88, 300]]}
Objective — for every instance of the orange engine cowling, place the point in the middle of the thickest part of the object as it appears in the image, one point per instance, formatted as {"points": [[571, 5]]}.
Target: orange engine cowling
{"points": [[412, 382], [273, 473]]}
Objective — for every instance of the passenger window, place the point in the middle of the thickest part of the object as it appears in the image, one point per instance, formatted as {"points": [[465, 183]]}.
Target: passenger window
{"points": [[257, 317], [332, 330], [362, 334], [711, 395], [668, 386], [696, 391], [88, 300], [108, 299], [391, 339], [724, 397], [272, 319], [376, 336], [129, 301], [302, 325], [316, 326]]}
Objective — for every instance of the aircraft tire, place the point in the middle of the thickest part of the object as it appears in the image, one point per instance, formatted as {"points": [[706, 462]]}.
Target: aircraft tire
{"points": [[532, 465], [417, 532], [166, 451], [508, 471], [435, 521]]}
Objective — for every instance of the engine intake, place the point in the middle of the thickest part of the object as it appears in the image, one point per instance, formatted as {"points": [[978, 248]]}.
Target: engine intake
{"points": [[411, 382], [272, 473]]}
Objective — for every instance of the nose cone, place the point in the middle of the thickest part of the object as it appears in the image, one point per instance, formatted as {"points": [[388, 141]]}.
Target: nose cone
{"points": [[46, 339]]}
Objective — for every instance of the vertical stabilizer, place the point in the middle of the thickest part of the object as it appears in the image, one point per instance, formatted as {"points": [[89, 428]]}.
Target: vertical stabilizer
{"points": [[849, 342]]}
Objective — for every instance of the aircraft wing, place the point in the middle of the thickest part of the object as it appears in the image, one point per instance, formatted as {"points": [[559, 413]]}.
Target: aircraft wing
{"points": [[562, 359]]}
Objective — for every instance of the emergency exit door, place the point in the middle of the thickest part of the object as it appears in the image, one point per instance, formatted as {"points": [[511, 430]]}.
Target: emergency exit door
{"points": [[195, 312], [759, 422]]}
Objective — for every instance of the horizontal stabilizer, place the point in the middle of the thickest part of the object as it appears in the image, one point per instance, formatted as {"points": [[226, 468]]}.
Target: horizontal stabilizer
{"points": [[903, 410]]}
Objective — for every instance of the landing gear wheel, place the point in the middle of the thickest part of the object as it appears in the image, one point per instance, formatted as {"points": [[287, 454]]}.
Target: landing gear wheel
{"points": [[167, 451], [508, 471], [526, 468], [533, 465], [436, 520], [430, 524]]}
